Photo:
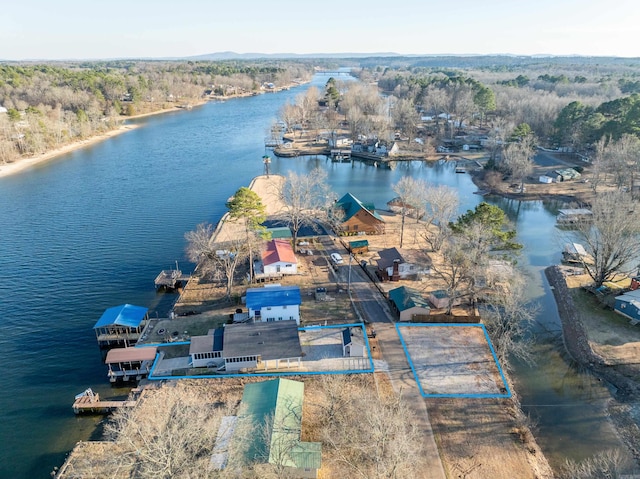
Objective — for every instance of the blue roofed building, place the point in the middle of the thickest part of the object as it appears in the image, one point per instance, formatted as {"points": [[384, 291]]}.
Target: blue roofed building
{"points": [[358, 217], [274, 303], [121, 325], [628, 305]]}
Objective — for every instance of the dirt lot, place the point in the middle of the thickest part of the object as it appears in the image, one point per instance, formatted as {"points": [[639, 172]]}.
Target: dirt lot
{"points": [[452, 360]]}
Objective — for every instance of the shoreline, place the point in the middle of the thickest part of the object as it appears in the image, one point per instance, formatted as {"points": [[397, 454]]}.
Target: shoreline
{"points": [[23, 164], [576, 343], [18, 166]]}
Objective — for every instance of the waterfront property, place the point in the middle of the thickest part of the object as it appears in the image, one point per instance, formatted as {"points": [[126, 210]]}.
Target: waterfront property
{"points": [[273, 410], [206, 351], [628, 305], [264, 346], [573, 216], [130, 363], [408, 303], [395, 264], [120, 326], [359, 217], [274, 303], [279, 258]]}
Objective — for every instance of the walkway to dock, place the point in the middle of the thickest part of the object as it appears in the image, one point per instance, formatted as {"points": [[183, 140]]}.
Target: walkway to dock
{"points": [[92, 403]]}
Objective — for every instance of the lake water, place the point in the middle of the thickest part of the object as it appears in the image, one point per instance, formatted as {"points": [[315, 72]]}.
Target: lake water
{"points": [[92, 229]]}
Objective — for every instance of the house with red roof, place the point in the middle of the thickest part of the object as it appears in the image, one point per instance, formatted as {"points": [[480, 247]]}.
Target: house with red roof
{"points": [[279, 258]]}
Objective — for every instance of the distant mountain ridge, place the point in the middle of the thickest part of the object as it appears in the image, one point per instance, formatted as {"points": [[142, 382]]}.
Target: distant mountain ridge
{"points": [[256, 56]]}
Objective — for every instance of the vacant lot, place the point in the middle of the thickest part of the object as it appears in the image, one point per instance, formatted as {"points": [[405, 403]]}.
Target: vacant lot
{"points": [[452, 360]]}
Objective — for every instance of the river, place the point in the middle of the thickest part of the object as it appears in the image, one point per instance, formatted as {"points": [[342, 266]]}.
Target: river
{"points": [[91, 230]]}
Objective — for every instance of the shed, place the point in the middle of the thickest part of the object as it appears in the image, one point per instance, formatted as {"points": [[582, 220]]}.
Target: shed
{"points": [[279, 232], [359, 246], [545, 179], [351, 348], [440, 299], [408, 303]]}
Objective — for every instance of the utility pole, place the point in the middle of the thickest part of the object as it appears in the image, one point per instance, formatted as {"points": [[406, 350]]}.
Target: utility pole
{"points": [[349, 276]]}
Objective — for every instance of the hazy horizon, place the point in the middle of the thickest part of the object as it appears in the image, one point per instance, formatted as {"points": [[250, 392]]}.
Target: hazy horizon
{"points": [[74, 30]]}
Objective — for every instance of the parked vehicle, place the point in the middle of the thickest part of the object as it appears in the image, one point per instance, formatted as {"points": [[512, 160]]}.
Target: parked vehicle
{"points": [[336, 258]]}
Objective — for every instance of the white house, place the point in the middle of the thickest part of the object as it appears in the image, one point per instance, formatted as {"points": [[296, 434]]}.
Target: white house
{"points": [[395, 264], [274, 303], [279, 258]]}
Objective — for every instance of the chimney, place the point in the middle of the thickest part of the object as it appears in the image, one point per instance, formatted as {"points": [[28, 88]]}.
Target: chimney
{"points": [[396, 270]]}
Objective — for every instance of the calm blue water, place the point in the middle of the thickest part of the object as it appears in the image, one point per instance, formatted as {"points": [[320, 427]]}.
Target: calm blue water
{"points": [[93, 228]]}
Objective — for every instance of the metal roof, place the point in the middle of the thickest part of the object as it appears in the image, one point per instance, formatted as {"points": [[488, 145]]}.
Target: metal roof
{"points": [[405, 298], [351, 205], [258, 298], [124, 315], [279, 250], [280, 232], [127, 355], [272, 340], [280, 402]]}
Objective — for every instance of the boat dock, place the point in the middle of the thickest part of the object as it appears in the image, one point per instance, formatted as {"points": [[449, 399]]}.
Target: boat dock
{"points": [[170, 279], [89, 402]]}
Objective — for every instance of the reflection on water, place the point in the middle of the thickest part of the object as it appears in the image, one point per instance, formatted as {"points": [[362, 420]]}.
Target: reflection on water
{"points": [[92, 230]]}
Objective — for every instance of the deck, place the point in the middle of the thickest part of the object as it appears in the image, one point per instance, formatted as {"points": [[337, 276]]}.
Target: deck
{"points": [[170, 278], [93, 404]]}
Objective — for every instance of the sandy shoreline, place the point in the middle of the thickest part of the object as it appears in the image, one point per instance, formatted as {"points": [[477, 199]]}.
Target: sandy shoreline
{"points": [[26, 163]]}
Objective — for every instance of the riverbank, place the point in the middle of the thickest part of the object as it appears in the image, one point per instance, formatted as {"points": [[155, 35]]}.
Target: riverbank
{"points": [[623, 408], [26, 163]]}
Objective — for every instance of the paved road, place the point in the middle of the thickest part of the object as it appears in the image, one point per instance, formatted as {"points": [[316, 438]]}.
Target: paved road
{"points": [[374, 309]]}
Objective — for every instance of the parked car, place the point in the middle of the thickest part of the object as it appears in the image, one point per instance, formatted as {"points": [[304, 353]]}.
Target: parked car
{"points": [[336, 258]]}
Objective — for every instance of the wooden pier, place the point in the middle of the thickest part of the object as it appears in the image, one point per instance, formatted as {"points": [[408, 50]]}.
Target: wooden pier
{"points": [[170, 279], [89, 402]]}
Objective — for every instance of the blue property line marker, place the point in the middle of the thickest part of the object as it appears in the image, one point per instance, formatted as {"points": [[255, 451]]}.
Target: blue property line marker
{"points": [[461, 395], [268, 374]]}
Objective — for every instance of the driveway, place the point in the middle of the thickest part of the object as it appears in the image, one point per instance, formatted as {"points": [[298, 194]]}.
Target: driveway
{"points": [[374, 309]]}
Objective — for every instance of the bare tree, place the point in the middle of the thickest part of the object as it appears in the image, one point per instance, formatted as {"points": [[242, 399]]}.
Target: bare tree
{"points": [[385, 445], [605, 465], [217, 260], [305, 199], [408, 191], [517, 160], [441, 208], [172, 436], [612, 236], [507, 316]]}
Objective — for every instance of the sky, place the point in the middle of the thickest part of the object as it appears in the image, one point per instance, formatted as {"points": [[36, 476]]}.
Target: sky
{"points": [[101, 29]]}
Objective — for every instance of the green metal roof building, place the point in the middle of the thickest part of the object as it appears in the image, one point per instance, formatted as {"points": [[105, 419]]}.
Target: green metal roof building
{"points": [[408, 302], [274, 409], [280, 232]]}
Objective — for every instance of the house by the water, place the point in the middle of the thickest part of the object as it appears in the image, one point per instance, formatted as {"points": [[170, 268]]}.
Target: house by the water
{"points": [[358, 217]]}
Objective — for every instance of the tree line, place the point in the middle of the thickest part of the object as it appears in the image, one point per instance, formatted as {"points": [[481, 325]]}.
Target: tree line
{"points": [[49, 105]]}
